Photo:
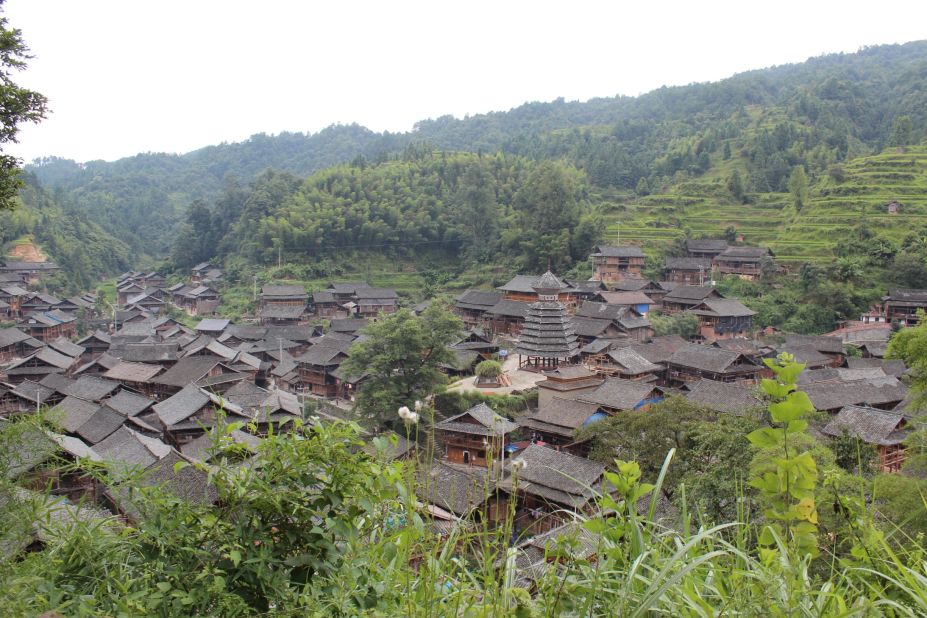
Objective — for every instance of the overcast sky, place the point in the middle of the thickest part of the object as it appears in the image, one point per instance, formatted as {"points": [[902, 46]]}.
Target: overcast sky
{"points": [[127, 76]]}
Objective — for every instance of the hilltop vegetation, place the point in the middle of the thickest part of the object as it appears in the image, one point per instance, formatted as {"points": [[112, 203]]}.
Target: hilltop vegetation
{"points": [[84, 250], [818, 114]]}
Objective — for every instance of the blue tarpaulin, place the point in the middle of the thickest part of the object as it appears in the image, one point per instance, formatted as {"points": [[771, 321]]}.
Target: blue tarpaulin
{"points": [[598, 416]]}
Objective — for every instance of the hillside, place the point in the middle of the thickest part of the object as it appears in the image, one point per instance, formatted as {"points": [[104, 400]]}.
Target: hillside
{"points": [[860, 196], [826, 111], [45, 226]]}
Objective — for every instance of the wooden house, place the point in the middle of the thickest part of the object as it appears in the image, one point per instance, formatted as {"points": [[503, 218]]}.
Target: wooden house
{"points": [[902, 304], [371, 302], [477, 437], [315, 366], [687, 270], [324, 305], [94, 344], [199, 300], [205, 271], [153, 279], [189, 370], [744, 262], [213, 327], [551, 487], [35, 367], [830, 348], [628, 321], [567, 382], [98, 366], [473, 305], [521, 288], [13, 296], [697, 362], [832, 396], [885, 430], [14, 343], [506, 317], [556, 422], [344, 292], [721, 318], [136, 376], [686, 297], [191, 412], [625, 363], [725, 397], [49, 325], [29, 272], [42, 466], [638, 301], [38, 302], [705, 247], [27, 396], [128, 290], [610, 264], [283, 296], [615, 395]]}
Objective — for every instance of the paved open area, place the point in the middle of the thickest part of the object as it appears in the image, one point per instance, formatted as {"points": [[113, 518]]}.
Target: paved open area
{"points": [[520, 380]]}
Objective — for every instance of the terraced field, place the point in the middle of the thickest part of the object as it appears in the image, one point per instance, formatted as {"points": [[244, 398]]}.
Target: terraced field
{"points": [[703, 208]]}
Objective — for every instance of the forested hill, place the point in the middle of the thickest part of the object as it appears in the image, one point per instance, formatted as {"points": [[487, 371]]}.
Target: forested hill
{"points": [[814, 114], [64, 234]]}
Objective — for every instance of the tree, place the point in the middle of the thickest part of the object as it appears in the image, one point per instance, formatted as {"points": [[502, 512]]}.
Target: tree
{"points": [[401, 355], [902, 132], [910, 270], [735, 185], [548, 213], [798, 187], [683, 324], [17, 105], [910, 345]]}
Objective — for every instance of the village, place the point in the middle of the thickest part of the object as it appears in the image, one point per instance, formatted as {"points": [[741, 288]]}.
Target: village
{"points": [[144, 390]]}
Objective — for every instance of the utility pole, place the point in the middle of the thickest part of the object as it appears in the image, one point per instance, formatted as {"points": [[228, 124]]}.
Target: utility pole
{"points": [[618, 237], [254, 290]]}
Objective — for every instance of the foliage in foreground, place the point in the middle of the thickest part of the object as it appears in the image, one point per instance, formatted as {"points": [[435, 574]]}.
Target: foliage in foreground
{"points": [[315, 526]]}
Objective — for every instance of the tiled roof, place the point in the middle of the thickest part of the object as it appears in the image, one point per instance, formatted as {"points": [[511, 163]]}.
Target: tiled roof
{"points": [[705, 358], [632, 362], [622, 251], [103, 423], [723, 308], [488, 423], [558, 476], [626, 298], [133, 372], [619, 394], [870, 425], [723, 397], [128, 403], [477, 299], [690, 294]]}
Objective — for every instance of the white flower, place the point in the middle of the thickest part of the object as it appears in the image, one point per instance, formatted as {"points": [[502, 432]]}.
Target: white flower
{"points": [[418, 405], [404, 413], [519, 464], [413, 418]]}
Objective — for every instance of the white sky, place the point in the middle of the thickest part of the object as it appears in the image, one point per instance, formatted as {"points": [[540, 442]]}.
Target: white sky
{"points": [[129, 76]]}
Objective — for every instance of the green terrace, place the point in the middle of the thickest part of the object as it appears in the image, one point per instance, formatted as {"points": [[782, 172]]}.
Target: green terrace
{"points": [[702, 208]]}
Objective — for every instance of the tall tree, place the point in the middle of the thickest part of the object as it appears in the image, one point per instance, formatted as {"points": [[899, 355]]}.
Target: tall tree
{"points": [[548, 213], [402, 354], [17, 105], [798, 187]]}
